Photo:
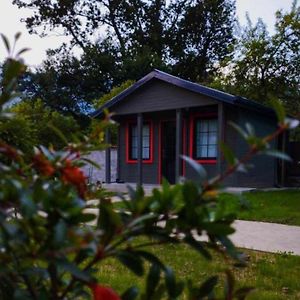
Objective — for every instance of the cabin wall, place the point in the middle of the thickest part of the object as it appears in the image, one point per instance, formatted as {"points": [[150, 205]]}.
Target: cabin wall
{"points": [[263, 173], [263, 170], [128, 172]]}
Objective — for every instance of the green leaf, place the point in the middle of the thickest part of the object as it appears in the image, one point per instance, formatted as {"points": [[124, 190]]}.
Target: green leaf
{"points": [[201, 172], [130, 294], [198, 246], [60, 231], [229, 285], [277, 154], [6, 42], [85, 217], [91, 162], [74, 270], [22, 51], [153, 279], [58, 133], [219, 229], [207, 287], [28, 206], [131, 261], [228, 154], [174, 288], [243, 292], [279, 110], [141, 219], [151, 258], [250, 129], [17, 35], [239, 130], [229, 247], [108, 219]]}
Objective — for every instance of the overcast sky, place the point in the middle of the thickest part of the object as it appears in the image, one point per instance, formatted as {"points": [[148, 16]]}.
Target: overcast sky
{"points": [[10, 24]]}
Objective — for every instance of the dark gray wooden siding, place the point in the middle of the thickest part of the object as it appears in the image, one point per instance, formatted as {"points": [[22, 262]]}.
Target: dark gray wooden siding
{"points": [[263, 170], [157, 95]]}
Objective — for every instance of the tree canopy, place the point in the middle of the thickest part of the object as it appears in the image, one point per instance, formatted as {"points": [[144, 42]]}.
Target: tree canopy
{"points": [[265, 66], [124, 40], [34, 124], [194, 39]]}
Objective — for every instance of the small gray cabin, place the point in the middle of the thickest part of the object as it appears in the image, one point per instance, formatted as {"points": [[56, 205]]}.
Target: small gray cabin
{"points": [[162, 117]]}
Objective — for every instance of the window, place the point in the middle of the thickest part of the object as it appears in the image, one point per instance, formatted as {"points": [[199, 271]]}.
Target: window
{"points": [[132, 142], [205, 139]]}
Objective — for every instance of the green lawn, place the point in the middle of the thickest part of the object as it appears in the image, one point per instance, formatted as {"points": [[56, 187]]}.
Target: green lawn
{"points": [[273, 206], [282, 206], [275, 276]]}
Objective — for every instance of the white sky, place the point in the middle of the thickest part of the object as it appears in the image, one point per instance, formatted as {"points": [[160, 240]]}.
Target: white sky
{"points": [[10, 24]]}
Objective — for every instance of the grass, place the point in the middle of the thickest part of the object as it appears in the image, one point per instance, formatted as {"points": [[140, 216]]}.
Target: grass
{"points": [[275, 276], [270, 206], [282, 206]]}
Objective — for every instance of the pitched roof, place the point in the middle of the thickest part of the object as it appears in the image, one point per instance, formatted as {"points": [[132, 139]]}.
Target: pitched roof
{"points": [[188, 85]]}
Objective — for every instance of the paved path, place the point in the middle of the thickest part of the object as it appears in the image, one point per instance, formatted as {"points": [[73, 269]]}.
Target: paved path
{"points": [[269, 237], [262, 236], [122, 188]]}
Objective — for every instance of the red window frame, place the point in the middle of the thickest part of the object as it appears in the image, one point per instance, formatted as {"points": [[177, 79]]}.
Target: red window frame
{"points": [[193, 119], [134, 161]]}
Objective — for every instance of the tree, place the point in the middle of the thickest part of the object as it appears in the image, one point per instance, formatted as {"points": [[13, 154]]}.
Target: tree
{"points": [[114, 92], [19, 133], [267, 67], [43, 123], [33, 124], [203, 38], [68, 85], [186, 37]]}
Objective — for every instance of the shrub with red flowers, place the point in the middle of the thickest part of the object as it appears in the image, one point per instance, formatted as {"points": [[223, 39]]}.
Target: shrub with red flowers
{"points": [[51, 246]]}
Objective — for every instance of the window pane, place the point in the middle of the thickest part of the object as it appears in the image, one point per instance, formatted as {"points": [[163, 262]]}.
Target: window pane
{"points": [[201, 151], [212, 138], [206, 138], [146, 131], [134, 142], [146, 153], [133, 139], [146, 141], [198, 151], [212, 151], [134, 153], [203, 138]]}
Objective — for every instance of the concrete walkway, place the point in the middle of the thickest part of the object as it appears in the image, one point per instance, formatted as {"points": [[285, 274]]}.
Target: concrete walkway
{"points": [[261, 236], [123, 188], [269, 237]]}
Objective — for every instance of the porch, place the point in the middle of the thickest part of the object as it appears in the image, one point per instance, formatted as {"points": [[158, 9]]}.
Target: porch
{"points": [[151, 144]]}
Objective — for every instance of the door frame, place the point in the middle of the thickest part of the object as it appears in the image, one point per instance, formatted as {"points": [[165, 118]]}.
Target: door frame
{"points": [[184, 150]]}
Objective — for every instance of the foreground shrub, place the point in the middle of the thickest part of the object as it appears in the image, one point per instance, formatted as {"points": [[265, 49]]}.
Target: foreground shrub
{"points": [[51, 245]]}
